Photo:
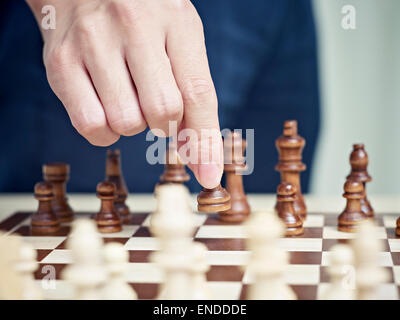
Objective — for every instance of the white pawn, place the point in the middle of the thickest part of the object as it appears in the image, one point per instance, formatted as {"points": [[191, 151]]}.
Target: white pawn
{"points": [[199, 289], [267, 261], [25, 266], [341, 271], [369, 274], [87, 272], [116, 258]]}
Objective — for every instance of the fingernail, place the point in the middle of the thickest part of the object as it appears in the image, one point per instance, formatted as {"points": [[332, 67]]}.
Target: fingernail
{"points": [[210, 175]]}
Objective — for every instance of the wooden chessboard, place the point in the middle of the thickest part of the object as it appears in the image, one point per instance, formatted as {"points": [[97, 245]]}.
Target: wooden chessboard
{"points": [[227, 255]]}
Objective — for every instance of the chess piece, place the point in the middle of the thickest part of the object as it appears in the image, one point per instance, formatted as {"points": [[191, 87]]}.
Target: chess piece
{"points": [[352, 215], [174, 168], [398, 226], [25, 266], [114, 175], [286, 197], [267, 260], [290, 146], [107, 218], [234, 147], [58, 175], [199, 267], [369, 274], [87, 273], [173, 225], [359, 163], [341, 271], [213, 200], [116, 259], [44, 220]]}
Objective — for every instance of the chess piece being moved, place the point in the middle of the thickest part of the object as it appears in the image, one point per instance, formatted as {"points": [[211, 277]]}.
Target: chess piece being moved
{"points": [[26, 265], [213, 200], [107, 218], [341, 272], [369, 273], [58, 175], [290, 146], [352, 215], [87, 272], [44, 220], [116, 259], [285, 209], [267, 261], [359, 164], [234, 147], [114, 175], [174, 171]]}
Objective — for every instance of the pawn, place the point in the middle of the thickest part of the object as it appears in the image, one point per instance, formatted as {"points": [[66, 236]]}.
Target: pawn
{"points": [[44, 220], [25, 266], [58, 175], [285, 209], [341, 262], [114, 175], [398, 227], [359, 163], [352, 215], [213, 200], [174, 168], [116, 259], [107, 218]]}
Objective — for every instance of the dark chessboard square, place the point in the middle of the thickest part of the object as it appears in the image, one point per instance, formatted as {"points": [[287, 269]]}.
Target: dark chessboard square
{"points": [[212, 220], [298, 257], [217, 244], [45, 269], [14, 220], [324, 274], [135, 218], [139, 255], [391, 233], [25, 231], [311, 233], [327, 244], [225, 273], [396, 258], [63, 245], [145, 291], [303, 292], [42, 253], [142, 232]]}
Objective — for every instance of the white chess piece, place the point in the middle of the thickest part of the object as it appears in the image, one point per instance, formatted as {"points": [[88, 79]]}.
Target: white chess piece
{"points": [[25, 266], [267, 261], [173, 224], [341, 271], [369, 274], [116, 259], [198, 284], [87, 272]]}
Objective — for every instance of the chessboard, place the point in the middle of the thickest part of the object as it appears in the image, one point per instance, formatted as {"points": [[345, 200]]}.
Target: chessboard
{"points": [[227, 255]]}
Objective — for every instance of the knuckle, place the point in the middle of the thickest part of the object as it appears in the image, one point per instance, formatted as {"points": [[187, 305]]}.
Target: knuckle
{"points": [[127, 125], [166, 108], [57, 58], [89, 128], [197, 90]]}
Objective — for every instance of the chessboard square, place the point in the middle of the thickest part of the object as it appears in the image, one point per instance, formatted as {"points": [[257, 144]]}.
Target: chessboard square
{"points": [[389, 221], [126, 232], [299, 257], [142, 243], [142, 232], [396, 274], [41, 254], [396, 258], [331, 232], [300, 244], [324, 288], [314, 221], [221, 290], [387, 291], [14, 220], [135, 218], [26, 231], [44, 242], [145, 291], [232, 258], [221, 232], [311, 233], [327, 244], [223, 244], [144, 273], [59, 256], [139, 255], [225, 273], [295, 274], [385, 259], [394, 245], [302, 292]]}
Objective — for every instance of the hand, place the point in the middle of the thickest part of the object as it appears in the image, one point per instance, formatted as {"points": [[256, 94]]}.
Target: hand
{"points": [[119, 66]]}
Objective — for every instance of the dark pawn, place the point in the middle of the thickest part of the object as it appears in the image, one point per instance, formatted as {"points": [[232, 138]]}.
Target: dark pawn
{"points": [[58, 175], [174, 171], [286, 195], [234, 147], [290, 147], [44, 220], [352, 215], [398, 227], [359, 164], [213, 200], [114, 175], [107, 219]]}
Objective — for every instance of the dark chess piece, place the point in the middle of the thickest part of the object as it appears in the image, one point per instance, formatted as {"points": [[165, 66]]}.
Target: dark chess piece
{"points": [[359, 164], [290, 146], [213, 200], [174, 171], [114, 175], [352, 215], [58, 175], [286, 195], [44, 221], [107, 218], [234, 147], [398, 227]]}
